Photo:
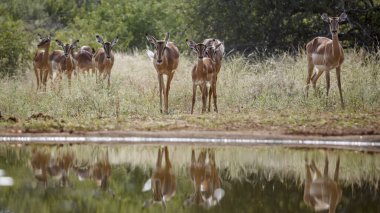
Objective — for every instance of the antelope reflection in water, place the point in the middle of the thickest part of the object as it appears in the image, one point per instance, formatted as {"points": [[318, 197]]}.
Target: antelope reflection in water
{"points": [[162, 183], [100, 172], [206, 181], [322, 192], [57, 167]]}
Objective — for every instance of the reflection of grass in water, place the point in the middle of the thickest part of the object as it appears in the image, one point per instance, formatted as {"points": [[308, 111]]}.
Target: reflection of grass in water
{"points": [[355, 167], [132, 166]]}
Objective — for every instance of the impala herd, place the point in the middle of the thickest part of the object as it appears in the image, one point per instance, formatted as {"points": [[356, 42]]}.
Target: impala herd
{"points": [[323, 55]]}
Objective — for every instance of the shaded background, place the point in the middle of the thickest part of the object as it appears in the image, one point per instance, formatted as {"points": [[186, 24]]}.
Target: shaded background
{"points": [[261, 26]]}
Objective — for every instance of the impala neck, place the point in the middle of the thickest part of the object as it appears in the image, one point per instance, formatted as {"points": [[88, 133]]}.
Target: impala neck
{"points": [[200, 64], [335, 45], [46, 54]]}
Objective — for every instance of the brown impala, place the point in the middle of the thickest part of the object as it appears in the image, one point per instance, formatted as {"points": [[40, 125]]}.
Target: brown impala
{"points": [[84, 59], [41, 61], [165, 61], [206, 181], [66, 62], [162, 182], [321, 192], [104, 58], [203, 75], [325, 54]]}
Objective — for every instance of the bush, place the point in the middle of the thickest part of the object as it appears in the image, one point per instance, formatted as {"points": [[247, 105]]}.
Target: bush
{"points": [[14, 47]]}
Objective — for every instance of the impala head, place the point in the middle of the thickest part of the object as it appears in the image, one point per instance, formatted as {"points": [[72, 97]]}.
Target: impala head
{"points": [[157, 197], [67, 48], [159, 45], [334, 22], [107, 46], [199, 48], [44, 42], [211, 49]]}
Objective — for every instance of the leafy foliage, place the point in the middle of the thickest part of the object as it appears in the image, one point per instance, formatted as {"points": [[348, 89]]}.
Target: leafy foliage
{"points": [[263, 26]]}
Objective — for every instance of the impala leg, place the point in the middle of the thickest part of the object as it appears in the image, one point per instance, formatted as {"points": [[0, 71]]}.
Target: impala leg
{"points": [[315, 78], [166, 98], [336, 174], [69, 74], [310, 68], [159, 158], [167, 160], [314, 168], [204, 98], [160, 82], [37, 77], [45, 75], [109, 78], [339, 86], [209, 99], [215, 97], [327, 85], [194, 95], [306, 193], [326, 169]]}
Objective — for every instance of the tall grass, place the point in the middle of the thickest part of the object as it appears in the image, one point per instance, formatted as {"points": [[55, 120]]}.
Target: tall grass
{"points": [[244, 85]]}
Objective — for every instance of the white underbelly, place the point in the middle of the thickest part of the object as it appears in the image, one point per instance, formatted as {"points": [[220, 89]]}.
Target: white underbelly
{"points": [[320, 63], [198, 82]]}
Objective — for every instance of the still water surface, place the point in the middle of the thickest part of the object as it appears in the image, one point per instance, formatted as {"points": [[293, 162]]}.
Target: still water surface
{"points": [[180, 178]]}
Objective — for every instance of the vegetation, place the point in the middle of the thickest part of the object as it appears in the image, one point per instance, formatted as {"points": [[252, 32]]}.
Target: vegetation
{"points": [[266, 95], [255, 92], [260, 26]]}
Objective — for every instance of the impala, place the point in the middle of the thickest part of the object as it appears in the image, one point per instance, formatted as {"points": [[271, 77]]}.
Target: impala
{"points": [[104, 58], [41, 61], [66, 62], [214, 51], [321, 192], [84, 59], [203, 75], [217, 50], [163, 182], [165, 61], [206, 181], [325, 54]]}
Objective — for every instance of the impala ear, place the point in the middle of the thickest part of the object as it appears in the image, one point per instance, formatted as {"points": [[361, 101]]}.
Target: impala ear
{"points": [[151, 39], [325, 17], [75, 43], [217, 46], [99, 39], [167, 37], [115, 41], [191, 44], [342, 17], [59, 43], [192, 156]]}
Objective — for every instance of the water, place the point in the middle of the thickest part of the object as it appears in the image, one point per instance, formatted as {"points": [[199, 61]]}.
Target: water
{"points": [[113, 178]]}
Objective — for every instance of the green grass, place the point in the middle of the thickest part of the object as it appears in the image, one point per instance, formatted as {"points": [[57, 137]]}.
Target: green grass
{"points": [[252, 94]]}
